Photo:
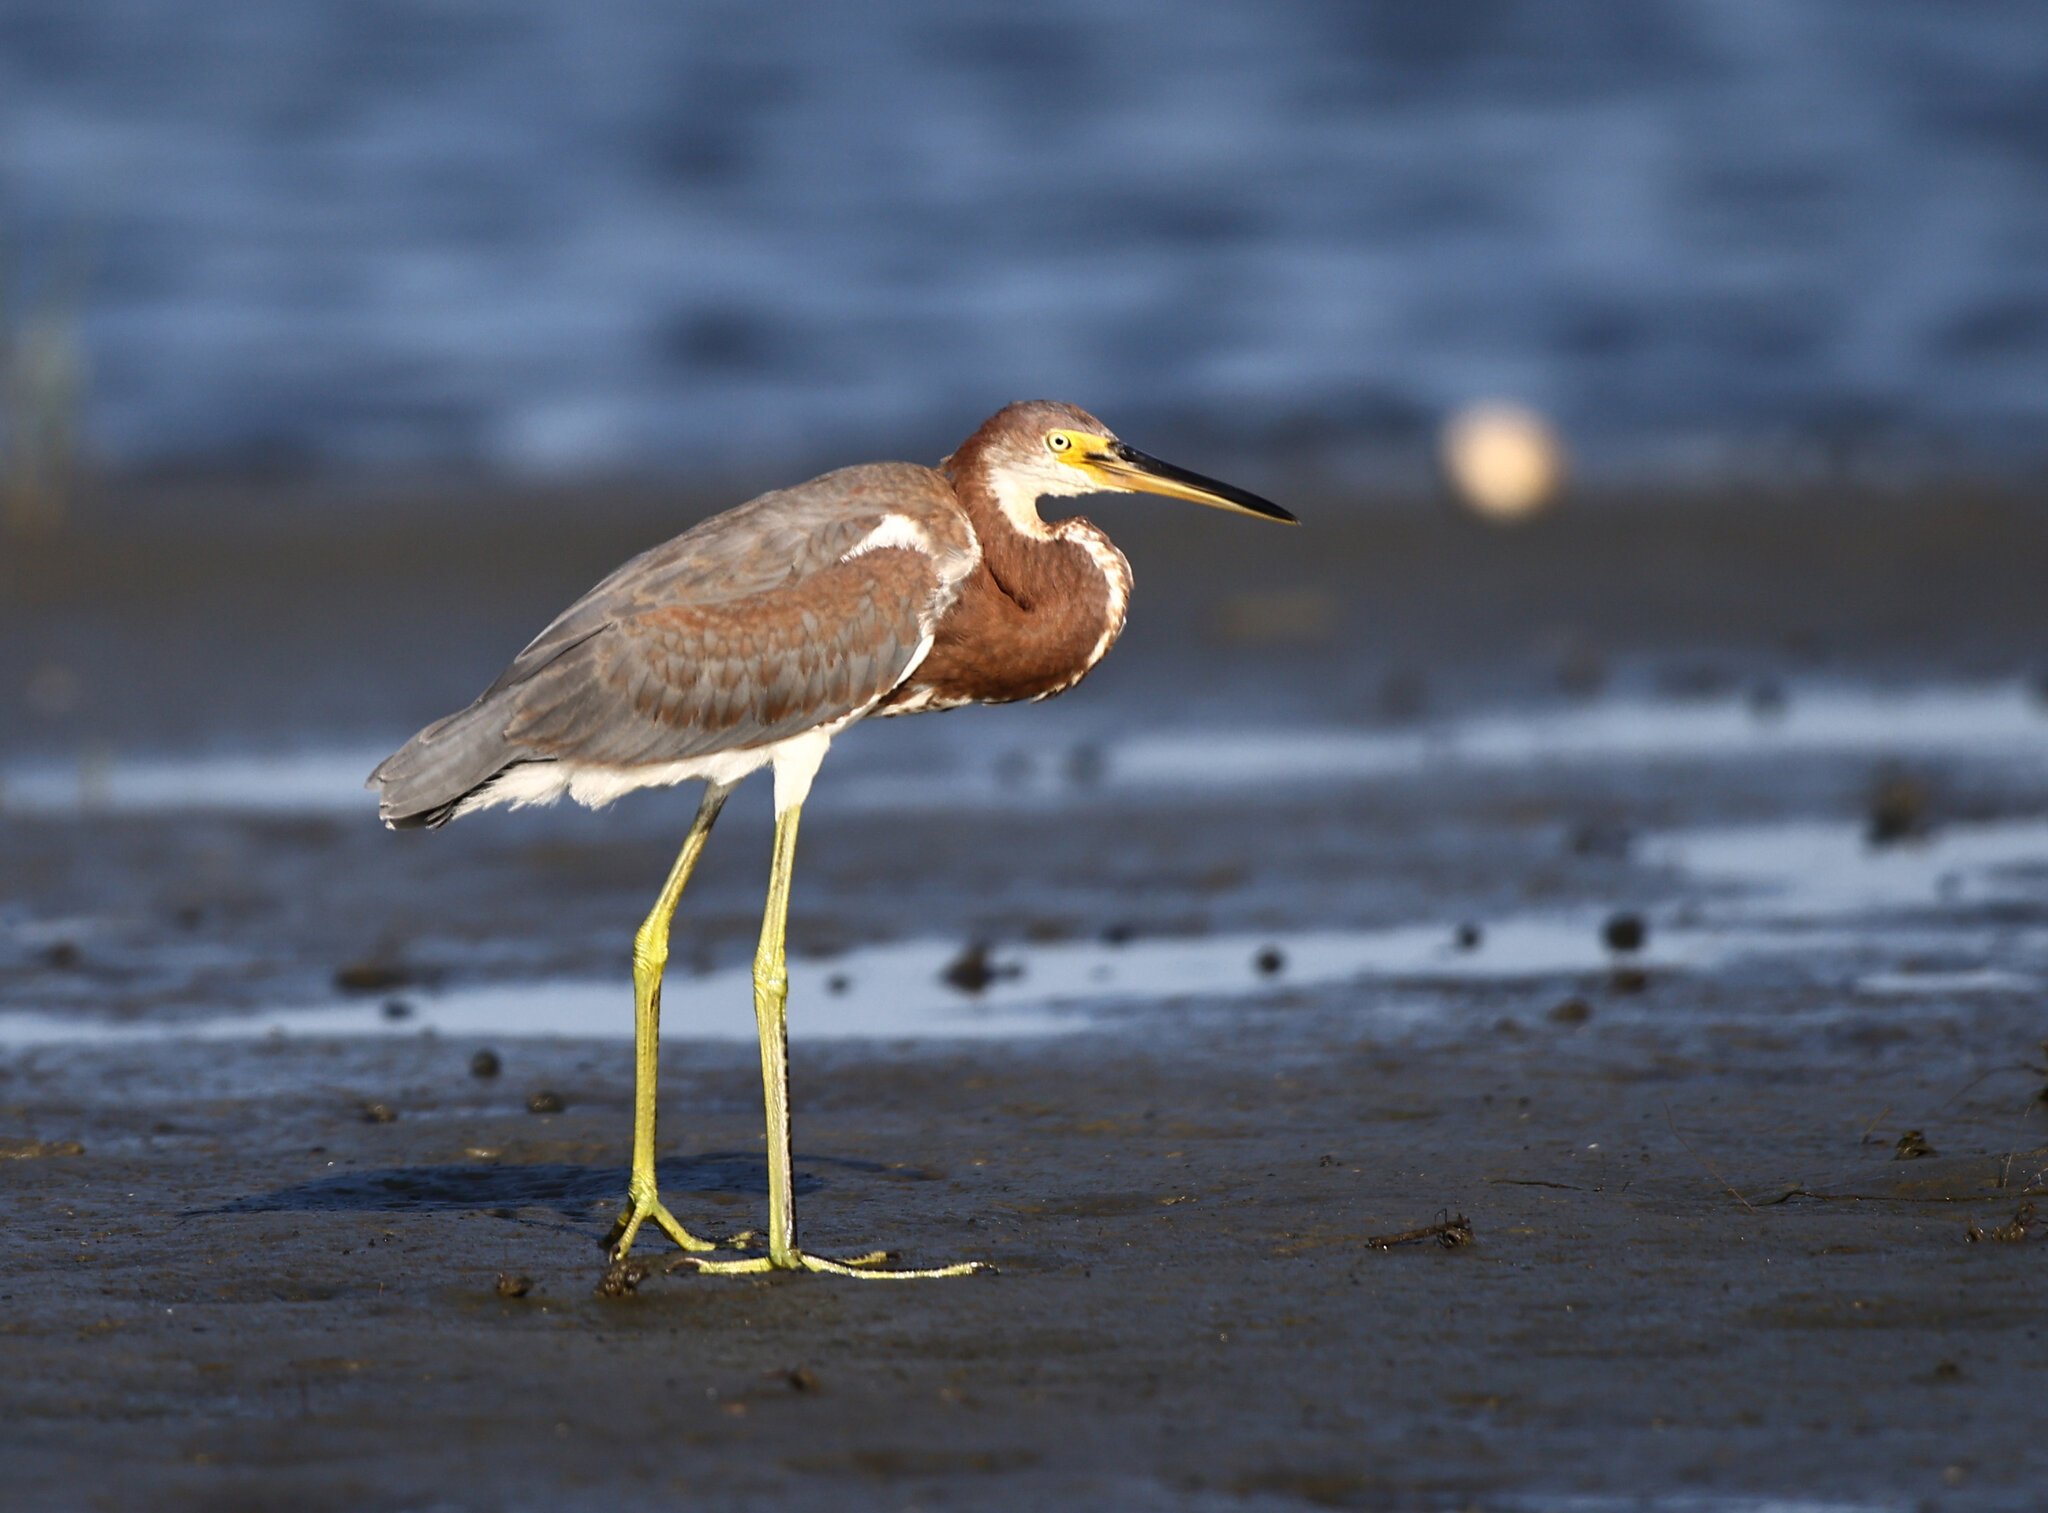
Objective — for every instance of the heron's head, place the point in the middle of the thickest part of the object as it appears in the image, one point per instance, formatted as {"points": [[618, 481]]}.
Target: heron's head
{"points": [[1041, 449]]}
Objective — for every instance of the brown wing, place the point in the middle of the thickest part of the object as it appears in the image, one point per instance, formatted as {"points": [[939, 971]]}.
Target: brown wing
{"points": [[754, 626], [686, 680]]}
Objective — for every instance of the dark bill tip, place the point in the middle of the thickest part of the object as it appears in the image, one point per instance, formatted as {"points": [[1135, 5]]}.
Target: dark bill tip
{"points": [[1203, 490]]}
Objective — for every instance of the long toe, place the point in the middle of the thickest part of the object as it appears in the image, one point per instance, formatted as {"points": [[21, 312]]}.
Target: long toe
{"points": [[868, 1266], [619, 1243]]}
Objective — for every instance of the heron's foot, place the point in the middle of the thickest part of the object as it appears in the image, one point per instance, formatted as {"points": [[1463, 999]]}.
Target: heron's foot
{"points": [[642, 1207], [869, 1266]]}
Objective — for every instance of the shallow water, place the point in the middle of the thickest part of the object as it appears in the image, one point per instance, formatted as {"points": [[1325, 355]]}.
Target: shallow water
{"points": [[1810, 898], [2001, 722]]}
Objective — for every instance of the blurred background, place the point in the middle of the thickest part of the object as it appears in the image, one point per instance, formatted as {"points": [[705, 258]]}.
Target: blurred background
{"points": [[345, 343], [1702, 236]]}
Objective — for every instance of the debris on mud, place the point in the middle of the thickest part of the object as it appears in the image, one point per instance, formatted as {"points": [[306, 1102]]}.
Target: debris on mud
{"points": [[379, 1113], [1572, 1011], [2012, 1232], [13, 1149], [1450, 1233], [1912, 1145], [1270, 961], [545, 1102], [63, 956], [1468, 937], [510, 1286], [397, 1008], [485, 1063]]}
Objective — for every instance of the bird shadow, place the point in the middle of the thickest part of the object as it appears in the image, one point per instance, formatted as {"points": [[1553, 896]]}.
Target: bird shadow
{"points": [[566, 1188]]}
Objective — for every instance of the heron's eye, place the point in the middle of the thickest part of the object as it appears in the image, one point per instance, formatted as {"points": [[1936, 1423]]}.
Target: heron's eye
{"points": [[1059, 441]]}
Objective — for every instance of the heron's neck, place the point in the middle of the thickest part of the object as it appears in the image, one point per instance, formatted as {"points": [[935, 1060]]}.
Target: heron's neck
{"points": [[1069, 576]]}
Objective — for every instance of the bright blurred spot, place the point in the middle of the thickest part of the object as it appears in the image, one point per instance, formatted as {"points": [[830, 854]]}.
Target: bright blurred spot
{"points": [[1504, 461]]}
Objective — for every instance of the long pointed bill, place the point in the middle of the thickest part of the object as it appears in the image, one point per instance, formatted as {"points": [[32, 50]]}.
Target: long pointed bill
{"points": [[1126, 467]]}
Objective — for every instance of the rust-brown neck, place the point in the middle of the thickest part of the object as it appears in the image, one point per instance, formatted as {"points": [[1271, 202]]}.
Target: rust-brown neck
{"points": [[1039, 610]]}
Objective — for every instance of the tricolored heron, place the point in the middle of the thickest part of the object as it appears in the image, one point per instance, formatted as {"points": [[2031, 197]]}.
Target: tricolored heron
{"points": [[752, 640]]}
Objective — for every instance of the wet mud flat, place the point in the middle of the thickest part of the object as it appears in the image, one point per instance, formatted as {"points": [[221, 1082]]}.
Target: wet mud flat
{"points": [[1696, 1267], [1723, 1053]]}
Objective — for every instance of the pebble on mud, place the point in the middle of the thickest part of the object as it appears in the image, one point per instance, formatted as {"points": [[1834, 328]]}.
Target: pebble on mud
{"points": [[509, 1286], [623, 1278], [972, 970], [838, 983], [545, 1102], [485, 1063], [1628, 980], [397, 1008], [1898, 810], [1270, 961], [64, 956], [1625, 932], [371, 977], [1118, 933], [1572, 1011], [1468, 937], [379, 1113]]}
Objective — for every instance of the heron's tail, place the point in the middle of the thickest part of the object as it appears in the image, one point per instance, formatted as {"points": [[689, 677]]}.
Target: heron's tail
{"points": [[423, 784]]}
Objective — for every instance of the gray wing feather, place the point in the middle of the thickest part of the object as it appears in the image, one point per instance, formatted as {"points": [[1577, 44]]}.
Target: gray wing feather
{"points": [[745, 630]]}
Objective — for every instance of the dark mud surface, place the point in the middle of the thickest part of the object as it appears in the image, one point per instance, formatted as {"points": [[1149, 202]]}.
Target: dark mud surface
{"points": [[267, 1273]]}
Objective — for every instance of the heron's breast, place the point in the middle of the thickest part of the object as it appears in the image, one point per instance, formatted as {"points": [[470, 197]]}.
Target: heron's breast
{"points": [[1001, 642]]}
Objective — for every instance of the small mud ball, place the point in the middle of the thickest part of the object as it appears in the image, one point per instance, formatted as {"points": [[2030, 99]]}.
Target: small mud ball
{"points": [[485, 1063], [1625, 932], [545, 1102], [1270, 962]]}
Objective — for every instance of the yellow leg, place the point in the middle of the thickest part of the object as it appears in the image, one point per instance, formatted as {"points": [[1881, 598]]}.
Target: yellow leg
{"points": [[650, 958], [771, 1018]]}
